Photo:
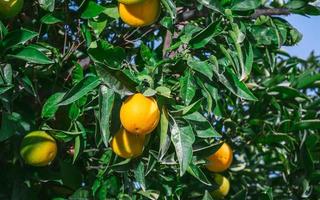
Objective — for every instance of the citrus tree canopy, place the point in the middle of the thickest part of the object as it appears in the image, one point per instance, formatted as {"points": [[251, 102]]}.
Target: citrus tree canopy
{"points": [[157, 99]]}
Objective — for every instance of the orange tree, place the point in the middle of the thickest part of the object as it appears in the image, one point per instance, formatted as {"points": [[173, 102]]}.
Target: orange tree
{"points": [[206, 74]]}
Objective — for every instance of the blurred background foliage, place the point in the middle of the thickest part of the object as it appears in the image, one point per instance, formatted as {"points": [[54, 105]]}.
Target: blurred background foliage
{"points": [[217, 70]]}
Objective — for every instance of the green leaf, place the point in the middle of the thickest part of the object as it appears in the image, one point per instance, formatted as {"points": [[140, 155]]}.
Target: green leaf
{"points": [[242, 194], [98, 25], [106, 101], [51, 18], [249, 61], [164, 135], [149, 92], [244, 5], [119, 84], [227, 77], [202, 67], [201, 125], [207, 196], [112, 12], [51, 106], [74, 112], [285, 92], [182, 138], [77, 74], [164, 91], [7, 75], [3, 31], [147, 55], [170, 8], [31, 55], [19, 36], [187, 87], [104, 53], [77, 144], [81, 89], [196, 172], [11, 124], [276, 138], [4, 89], [188, 109], [92, 10], [212, 4], [306, 79], [206, 35], [265, 35], [312, 124], [140, 176], [47, 5], [268, 193], [295, 4], [150, 194]]}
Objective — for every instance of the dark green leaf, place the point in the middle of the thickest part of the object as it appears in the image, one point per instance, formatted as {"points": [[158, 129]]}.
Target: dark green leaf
{"points": [[81, 89], [106, 101]]}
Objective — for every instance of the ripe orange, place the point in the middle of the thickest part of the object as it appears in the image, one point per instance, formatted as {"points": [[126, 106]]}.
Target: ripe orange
{"points": [[129, 2], [127, 145], [10, 8], [139, 114], [224, 187], [221, 159], [140, 14], [38, 148]]}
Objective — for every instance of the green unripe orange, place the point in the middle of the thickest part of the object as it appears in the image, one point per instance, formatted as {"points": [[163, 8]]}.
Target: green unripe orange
{"points": [[10, 8], [38, 148], [224, 187]]}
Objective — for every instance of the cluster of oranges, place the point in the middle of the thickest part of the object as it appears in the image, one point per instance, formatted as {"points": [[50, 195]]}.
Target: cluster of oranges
{"points": [[139, 116], [219, 162], [138, 13]]}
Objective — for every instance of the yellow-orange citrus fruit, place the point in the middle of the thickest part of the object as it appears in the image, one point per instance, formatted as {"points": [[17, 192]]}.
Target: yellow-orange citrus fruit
{"points": [[127, 145], [224, 187], [130, 2], [38, 148], [139, 114], [221, 159], [10, 8], [140, 14]]}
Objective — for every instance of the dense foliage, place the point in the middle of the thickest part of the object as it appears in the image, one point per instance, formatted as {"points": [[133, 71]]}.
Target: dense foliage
{"points": [[217, 71]]}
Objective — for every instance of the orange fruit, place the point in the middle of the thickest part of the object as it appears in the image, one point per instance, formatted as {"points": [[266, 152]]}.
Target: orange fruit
{"points": [[224, 187], [129, 2], [38, 148], [10, 8], [127, 145], [139, 114], [221, 159], [140, 14]]}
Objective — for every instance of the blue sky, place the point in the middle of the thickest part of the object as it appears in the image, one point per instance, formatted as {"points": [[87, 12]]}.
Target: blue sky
{"points": [[310, 29]]}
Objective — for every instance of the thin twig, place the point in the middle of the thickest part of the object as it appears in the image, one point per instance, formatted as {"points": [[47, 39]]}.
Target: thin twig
{"points": [[167, 43]]}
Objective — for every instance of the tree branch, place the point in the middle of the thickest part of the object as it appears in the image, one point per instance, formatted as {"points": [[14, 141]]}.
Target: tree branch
{"points": [[193, 14], [270, 12], [167, 43]]}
